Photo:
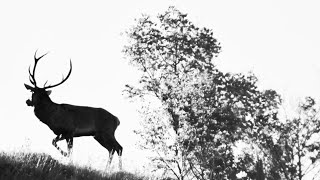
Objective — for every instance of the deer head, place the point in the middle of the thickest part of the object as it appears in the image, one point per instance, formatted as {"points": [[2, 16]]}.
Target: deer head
{"points": [[40, 94]]}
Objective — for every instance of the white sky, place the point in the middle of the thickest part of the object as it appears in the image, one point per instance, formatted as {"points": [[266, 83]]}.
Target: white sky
{"points": [[278, 41]]}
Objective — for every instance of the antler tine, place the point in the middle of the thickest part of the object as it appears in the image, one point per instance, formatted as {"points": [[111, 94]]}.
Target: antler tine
{"points": [[33, 79], [35, 56], [63, 79], [36, 60], [45, 83]]}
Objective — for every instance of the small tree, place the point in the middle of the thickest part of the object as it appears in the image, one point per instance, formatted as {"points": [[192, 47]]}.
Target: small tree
{"points": [[295, 152], [170, 51]]}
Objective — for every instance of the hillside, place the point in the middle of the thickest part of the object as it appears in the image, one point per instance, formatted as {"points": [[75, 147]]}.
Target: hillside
{"points": [[40, 166]]}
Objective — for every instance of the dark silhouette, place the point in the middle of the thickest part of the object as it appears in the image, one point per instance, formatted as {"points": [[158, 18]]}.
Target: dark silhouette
{"points": [[69, 121]]}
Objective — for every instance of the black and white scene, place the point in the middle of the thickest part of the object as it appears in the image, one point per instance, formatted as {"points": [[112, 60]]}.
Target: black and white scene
{"points": [[160, 90]]}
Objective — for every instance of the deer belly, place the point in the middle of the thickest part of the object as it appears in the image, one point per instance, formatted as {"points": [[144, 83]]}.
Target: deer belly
{"points": [[84, 131]]}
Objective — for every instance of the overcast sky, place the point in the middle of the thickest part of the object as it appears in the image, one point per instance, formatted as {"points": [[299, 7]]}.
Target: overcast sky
{"points": [[277, 40]]}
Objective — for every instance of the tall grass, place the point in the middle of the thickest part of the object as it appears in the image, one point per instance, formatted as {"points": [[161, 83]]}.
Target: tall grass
{"points": [[40, 166]]}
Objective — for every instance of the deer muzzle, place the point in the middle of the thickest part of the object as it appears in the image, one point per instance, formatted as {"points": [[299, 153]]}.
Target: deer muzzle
{"points": [[29, 103]]}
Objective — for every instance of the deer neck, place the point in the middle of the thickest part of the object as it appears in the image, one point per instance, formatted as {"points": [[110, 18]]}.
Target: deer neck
{"points": [[44, 109]]}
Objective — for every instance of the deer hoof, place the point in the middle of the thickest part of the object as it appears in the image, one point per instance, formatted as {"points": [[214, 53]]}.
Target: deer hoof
{"points": [[64, 154]]}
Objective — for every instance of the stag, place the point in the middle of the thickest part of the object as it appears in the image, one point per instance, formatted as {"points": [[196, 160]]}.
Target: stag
{"points": [[70, 121]]}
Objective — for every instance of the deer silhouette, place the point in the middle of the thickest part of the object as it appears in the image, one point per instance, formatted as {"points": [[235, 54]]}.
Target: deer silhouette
{"points": [[70, 121]]}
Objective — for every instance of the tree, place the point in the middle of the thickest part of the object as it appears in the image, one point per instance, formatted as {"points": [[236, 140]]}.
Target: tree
{"points": [[295, 151], [193, 113]]}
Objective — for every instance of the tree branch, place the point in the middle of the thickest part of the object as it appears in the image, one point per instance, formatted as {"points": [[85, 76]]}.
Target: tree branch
{"points": [[168, 166]]}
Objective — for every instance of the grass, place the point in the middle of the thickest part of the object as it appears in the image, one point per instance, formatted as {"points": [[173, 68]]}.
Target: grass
{"points": [[38, 166]]}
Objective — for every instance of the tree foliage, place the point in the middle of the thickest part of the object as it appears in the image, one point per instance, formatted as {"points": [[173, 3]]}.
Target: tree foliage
{"points": [[295, 151], [193, 113]]}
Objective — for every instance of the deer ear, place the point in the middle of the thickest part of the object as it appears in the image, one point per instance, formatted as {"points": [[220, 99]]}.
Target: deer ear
{"points": [[49, 92], [29, 87]]}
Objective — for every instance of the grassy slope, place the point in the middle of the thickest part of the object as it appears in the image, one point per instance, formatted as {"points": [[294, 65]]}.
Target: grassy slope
{"points": [[37, 166]]}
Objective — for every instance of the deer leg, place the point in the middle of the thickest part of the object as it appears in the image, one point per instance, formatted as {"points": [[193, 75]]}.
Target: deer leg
{"points": [[120, 163], [70, 145], [119, 152], [120, 159], [54, 143], [107, 143], [111, 153]]}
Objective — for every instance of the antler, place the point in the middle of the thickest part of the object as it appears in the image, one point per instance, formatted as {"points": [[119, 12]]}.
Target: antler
{"points": [[32, 77], [63, 79]]}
